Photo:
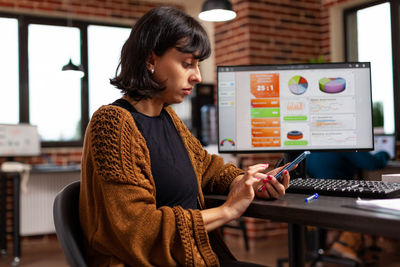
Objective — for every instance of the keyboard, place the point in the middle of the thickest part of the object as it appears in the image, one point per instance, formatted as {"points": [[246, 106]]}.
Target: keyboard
{"points": [[345, 188]]}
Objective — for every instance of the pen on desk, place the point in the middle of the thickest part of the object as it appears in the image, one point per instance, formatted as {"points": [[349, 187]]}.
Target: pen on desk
{"points": [[310, 198]]}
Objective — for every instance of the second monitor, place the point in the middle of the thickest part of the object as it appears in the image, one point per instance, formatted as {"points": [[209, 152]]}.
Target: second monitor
{"points": [[297, 107]]}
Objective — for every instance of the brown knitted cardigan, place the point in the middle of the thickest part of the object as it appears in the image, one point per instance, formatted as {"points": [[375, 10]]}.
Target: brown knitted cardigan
{"points": [[118, 214]]}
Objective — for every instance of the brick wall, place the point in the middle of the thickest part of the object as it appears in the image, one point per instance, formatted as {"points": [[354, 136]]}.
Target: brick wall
{"points": [[274, 32], [117, 9]]}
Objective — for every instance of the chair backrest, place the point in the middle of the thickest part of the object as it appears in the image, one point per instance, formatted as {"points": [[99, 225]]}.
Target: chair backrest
{"points": [[68, 228]]}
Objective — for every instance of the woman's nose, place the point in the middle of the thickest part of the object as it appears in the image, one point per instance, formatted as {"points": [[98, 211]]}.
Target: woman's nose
{"points": [[196, 75]]}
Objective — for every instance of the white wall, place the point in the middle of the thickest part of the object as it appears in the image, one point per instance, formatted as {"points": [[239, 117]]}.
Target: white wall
{"points": [[337, 28]]}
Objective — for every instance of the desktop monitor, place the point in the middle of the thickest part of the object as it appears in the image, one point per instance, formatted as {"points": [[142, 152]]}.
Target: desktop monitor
{"points": [[19, 140], [292, 108]]}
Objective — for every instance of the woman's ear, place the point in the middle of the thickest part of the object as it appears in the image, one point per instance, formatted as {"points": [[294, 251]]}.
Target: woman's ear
{"points": [[150, 64]]}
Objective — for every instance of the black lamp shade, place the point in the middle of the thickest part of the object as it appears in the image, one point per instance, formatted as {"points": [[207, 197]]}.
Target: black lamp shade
{"points": [[217, 10], [71, 66], [217, 4]]}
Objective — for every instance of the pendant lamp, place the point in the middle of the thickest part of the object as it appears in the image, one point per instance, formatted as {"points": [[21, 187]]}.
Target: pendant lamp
{"points": [[70, 68], [74, 69], [217, 10]]}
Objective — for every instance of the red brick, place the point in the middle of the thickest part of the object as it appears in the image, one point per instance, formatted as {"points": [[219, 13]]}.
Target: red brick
{"points": [[7, 4], [288, 31]]}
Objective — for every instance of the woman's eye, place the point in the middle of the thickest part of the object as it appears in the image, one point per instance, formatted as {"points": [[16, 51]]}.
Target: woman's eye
{"points": [[186, 64]]}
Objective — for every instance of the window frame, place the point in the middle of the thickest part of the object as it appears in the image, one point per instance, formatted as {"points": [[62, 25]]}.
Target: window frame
{"points": [[23, 23], [395, 34]]}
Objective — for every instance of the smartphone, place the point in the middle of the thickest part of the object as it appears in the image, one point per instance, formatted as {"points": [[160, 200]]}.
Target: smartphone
{"points": [[289, 167]]}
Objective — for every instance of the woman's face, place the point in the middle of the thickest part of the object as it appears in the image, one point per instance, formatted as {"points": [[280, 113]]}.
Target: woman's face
{"points": [[178, 72]]}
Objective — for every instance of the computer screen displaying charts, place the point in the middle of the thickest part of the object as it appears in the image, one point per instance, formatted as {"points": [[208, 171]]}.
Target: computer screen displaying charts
{"points": [[294, 107]]}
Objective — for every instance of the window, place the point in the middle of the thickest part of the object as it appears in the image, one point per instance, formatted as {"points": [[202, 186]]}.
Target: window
{"points": [[36, 91], [105, 44], [54, 97], [369, 37], [9, 95]]}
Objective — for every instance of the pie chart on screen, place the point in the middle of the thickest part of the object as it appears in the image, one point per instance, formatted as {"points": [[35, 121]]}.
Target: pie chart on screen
{"points": [[298, 85], [332, 85]]}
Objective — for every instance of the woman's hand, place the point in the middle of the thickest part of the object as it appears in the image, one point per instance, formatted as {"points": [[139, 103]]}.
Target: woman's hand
{"points": [[241, 192], [270, 187]]}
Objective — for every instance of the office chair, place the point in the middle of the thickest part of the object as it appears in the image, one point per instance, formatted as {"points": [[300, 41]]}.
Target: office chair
{"points": [[66, 222]]}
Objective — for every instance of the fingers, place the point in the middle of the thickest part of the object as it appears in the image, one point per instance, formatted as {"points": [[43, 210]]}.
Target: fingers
{"points": [[255, 171], [261, 186], [254, 175], [259, 166], [285, 179], [266, 193], [265, 185], [271, 188], [275, 171], [275, 188], [259, 177]]}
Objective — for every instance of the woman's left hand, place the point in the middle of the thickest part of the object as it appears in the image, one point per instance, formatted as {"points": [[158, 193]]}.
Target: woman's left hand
{"points": [[270, 187]]}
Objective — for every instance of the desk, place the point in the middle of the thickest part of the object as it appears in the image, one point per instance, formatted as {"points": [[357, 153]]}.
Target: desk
{"points": [[376, 175], [325, 212]]}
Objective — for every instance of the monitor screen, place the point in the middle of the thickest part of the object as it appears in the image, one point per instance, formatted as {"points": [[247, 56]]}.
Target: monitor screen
{"points": [[19, 140], [385, 142], [297, 107]]}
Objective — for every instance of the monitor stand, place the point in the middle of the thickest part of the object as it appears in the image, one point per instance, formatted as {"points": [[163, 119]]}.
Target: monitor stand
{"points": [[300, 171]]}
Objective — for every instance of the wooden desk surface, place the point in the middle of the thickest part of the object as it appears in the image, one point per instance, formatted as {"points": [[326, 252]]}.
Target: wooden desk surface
{"points": [[326, 212], [376, 175]]}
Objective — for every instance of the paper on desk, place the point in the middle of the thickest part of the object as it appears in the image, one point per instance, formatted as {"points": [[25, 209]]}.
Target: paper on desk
{"points": [[391, 204]]}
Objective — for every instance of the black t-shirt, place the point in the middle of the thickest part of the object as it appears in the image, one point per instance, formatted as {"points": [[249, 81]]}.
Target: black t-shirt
{"points": [[173, 173]]}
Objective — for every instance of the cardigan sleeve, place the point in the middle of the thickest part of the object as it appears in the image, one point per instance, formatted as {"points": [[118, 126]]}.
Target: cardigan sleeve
{"points": [[216, 175], [124, 221]]}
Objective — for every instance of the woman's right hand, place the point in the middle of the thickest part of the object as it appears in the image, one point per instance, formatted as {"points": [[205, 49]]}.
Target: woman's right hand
{"points": [[241, 192]]}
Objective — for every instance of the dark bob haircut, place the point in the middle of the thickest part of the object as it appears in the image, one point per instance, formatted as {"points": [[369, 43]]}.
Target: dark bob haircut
{"points": [[157, 31]]}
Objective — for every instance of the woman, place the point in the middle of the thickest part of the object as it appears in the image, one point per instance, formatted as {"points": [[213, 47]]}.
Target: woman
{"points": [[144, 174]]}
